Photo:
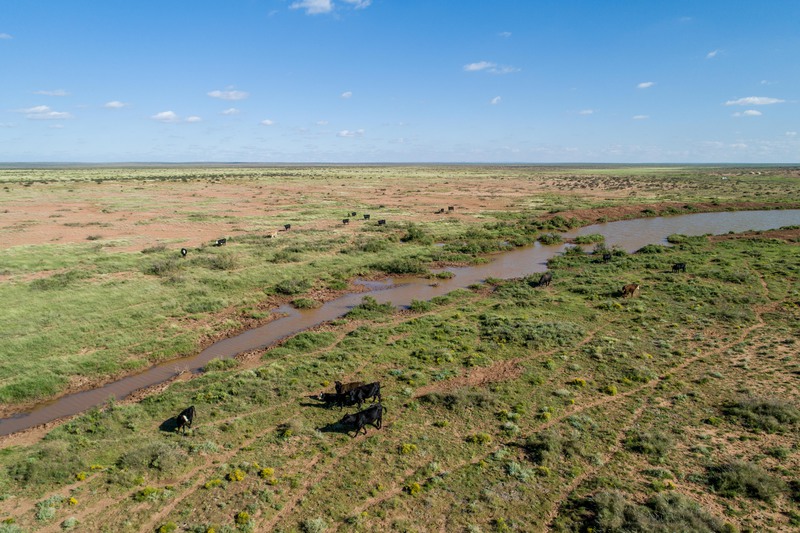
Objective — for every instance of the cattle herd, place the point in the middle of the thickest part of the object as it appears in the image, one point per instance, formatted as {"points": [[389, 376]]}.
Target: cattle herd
{"points": [[357, 392], [346, 395]]}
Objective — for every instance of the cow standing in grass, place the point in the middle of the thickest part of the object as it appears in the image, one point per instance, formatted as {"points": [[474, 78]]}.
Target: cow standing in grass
{"points": [[629, 290], [360, 394], [679, 267], [184, 419], [342, 388], [545, 280], [372, 415]]}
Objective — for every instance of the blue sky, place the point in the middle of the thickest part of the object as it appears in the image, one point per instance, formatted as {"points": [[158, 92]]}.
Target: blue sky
{"points": [[400, 81]]}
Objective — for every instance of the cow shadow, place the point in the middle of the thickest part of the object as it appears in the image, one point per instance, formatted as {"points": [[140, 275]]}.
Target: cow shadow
{"points": [[169, 425], [335, 427]]}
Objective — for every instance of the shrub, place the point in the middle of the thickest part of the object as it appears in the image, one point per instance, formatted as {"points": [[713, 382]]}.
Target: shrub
{"points": [[550, 238], [305, 303], [220, 364], [413, 488], [415, 233], [69, 523], [588, 239], [370, 308], [420, 306], [314, 525], [292, 286], [266, 473], [210, 484], [163, 267], [242, 518], [769, 415], [740, 478], [654, 444], [235, 475], [406, 449], [406, 265], [169, 527], [480, 438], [157, 456], [53, 463], [611, 390]]}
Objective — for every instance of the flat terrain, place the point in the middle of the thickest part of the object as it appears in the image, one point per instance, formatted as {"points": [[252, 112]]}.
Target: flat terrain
{"points": [[509, 407]]}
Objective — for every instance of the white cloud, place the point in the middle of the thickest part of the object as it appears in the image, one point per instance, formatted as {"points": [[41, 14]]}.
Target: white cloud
{"points": [[57, 92], [755, 100], [641, 117], [586, 112], [5, 36], [346, 95], [194, 118], [231, 111], [359, 4], [645, 85], [229, 94], [739, 146], [322, 123], [166, 116], [712, 54], [115, 104], [791, 133], [505, 34], [267, 122], [313, 7], [56, 126], [43, 112], [768, 82], [488, 66], [748, 113], [12, 125], [348, 133], [496, 100]]}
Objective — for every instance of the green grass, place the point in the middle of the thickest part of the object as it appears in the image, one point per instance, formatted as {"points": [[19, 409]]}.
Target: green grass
{"points": [[482, 446]]}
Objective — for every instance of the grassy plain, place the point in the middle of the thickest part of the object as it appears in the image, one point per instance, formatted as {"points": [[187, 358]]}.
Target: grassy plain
{"points": [[510, 408]]}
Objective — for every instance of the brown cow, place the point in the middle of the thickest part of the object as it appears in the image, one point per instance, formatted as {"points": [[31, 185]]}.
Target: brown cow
{"points": [[629, 290]]}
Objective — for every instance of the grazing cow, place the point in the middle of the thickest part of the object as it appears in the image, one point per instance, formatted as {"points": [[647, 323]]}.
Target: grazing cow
{"points": [[382, 222], [366, 217], [273, 235], [184, 251], [372, 415], [629, 290], [287, 227], [679, 267], [352, 213], [365, 392], [333, 398], [342, 388], [184, 419], [545, 280], [606, 257], [451, 208], [221, 242], [440, 211], [345, 221]]}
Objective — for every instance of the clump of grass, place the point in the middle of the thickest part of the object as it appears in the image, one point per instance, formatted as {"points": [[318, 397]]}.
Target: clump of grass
{"points": [[305, 303], [413, 488], [59, 281], [415, 233], [740, 478], [531, 333], [291, 287], [405, 265], [770, 415], [158, 456], [235, 475], [550, 238], [369, 308], [653, 444], [612, 511], [220, 364], [588, 239], [53, 464], [420, 306], [407, 448], [480, 438]]}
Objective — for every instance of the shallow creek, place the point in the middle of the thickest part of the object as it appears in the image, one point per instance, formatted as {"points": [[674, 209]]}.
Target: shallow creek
{"points": [[628, 234]]}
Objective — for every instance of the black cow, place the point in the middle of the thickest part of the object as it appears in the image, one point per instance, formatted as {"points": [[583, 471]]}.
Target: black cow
{"points": [[221, 242], [372, 415], [365, 392], [366, 217], [440, 211], [352, 213], [287, 227], [342, 388], [679, 267], [184, 419], [451, 208], [332, 398], [382, 222], [184, 251], [606, 257], [345, 221], [545, 280]]}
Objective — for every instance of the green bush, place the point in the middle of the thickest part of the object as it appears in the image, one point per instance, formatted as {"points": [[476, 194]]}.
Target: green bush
{"points": [[305, 303], [291, 287], [155, 456], [550, 238], [220, 364], [654, 444], [769, 415], [405, 265], [54, 463], [740, 478], [416, 234], [314, 525], [369, 308]]}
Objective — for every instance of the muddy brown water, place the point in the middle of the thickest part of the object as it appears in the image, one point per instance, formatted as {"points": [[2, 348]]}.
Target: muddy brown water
{"points": [[628, 234]]}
